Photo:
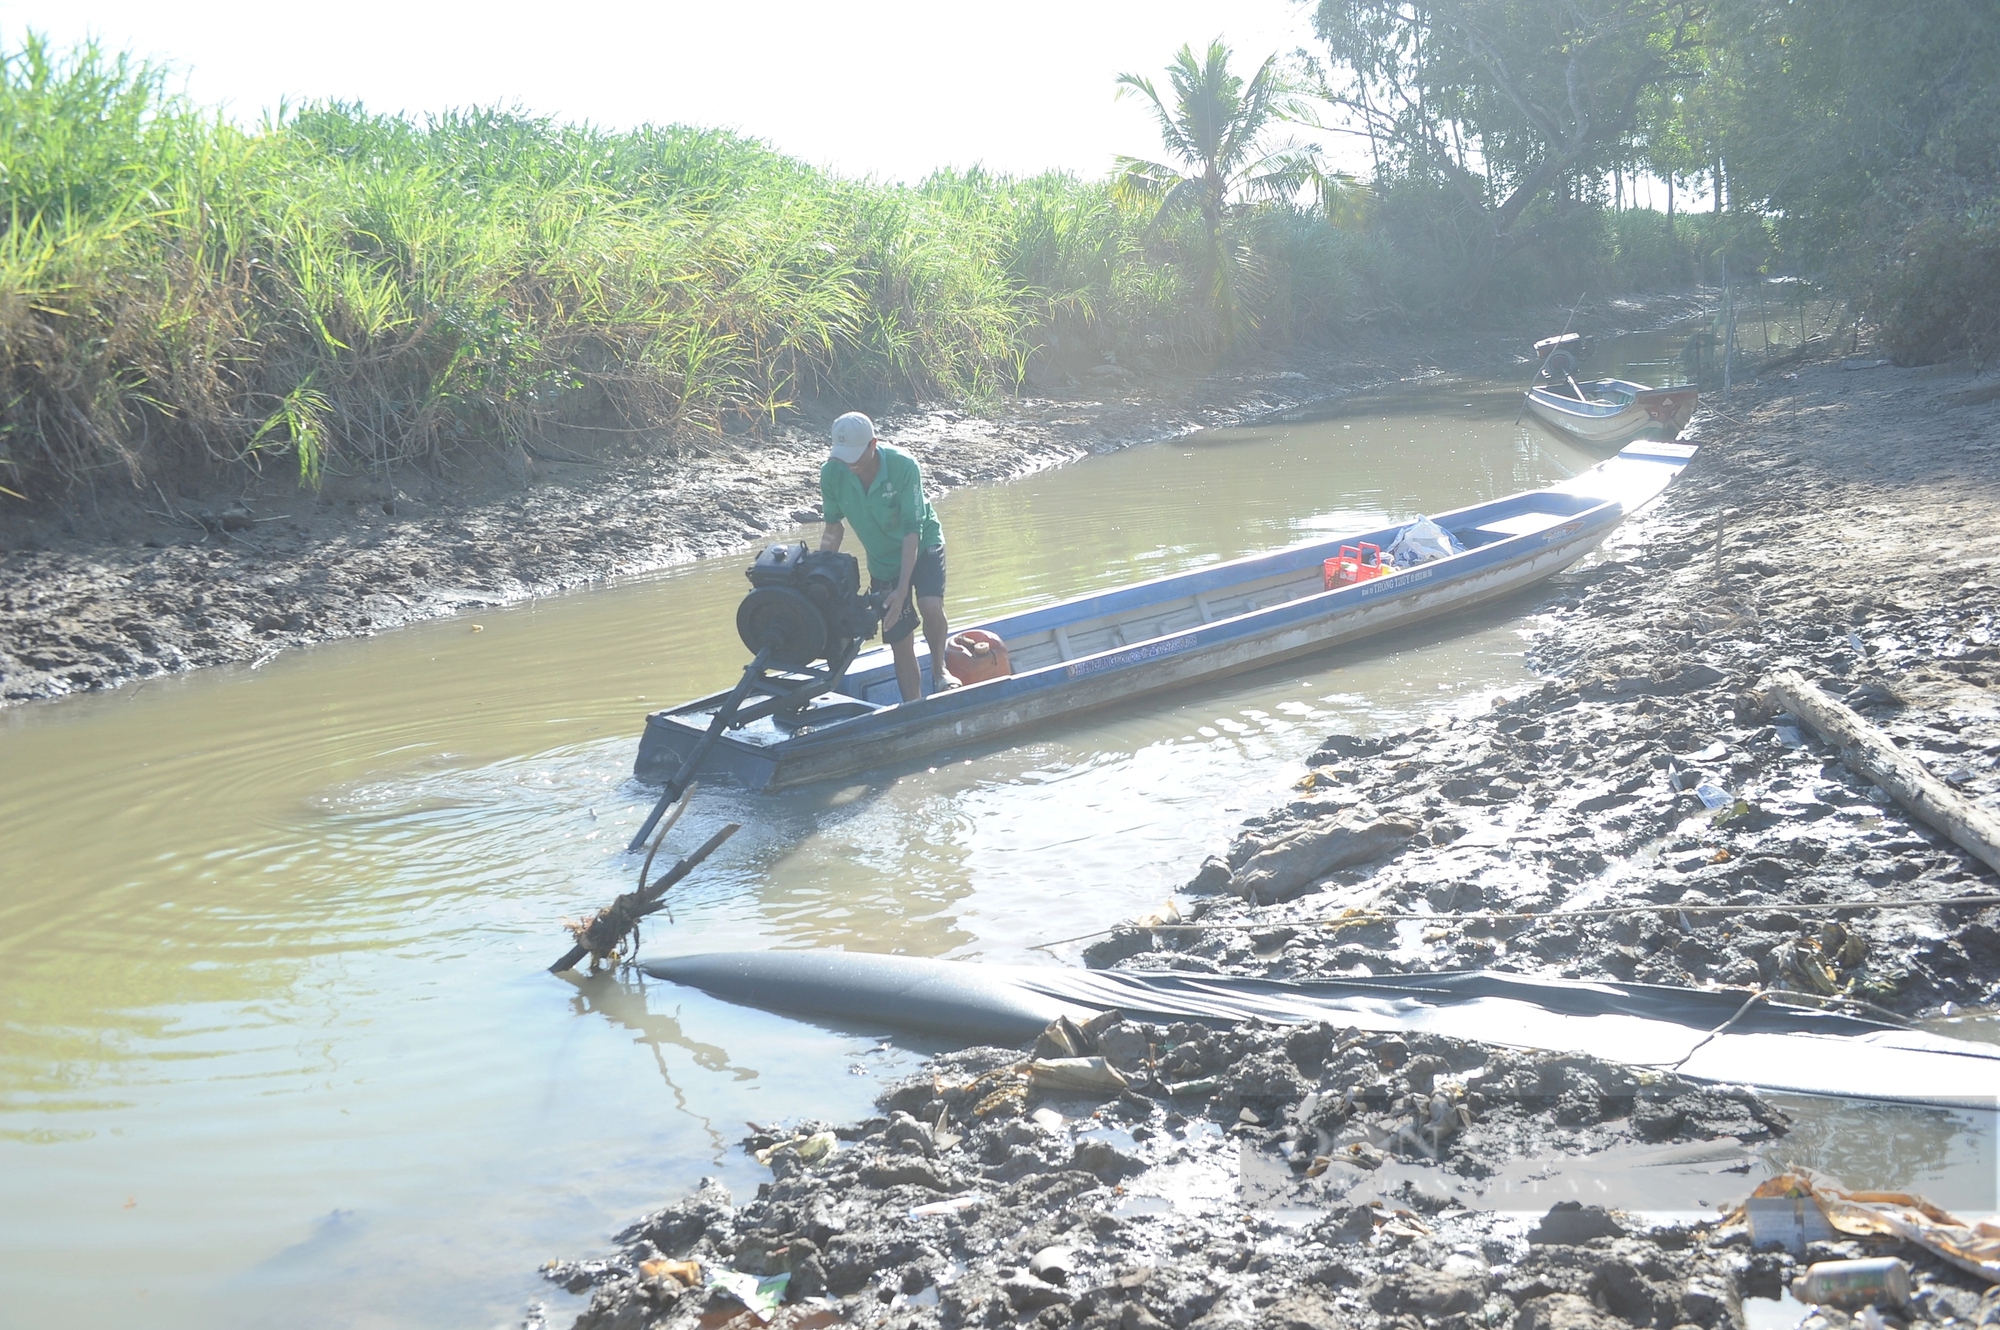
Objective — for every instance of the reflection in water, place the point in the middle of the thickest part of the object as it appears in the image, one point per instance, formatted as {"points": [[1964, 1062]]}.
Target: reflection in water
{"points": [[995, 853], [271, 951], [1948, 1157], [623, 1002]]}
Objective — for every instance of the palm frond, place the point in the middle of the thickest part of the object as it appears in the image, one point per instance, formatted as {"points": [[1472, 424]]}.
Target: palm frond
{"points": [[1268, 96], [1171, 132], [1140, 179], [1280, 172], [1186, 192], [1158, 184]]}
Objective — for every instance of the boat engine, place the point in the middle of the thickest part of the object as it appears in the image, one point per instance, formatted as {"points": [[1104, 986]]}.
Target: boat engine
{"points": [[805, 618], [806, 605], [1560, 356]]}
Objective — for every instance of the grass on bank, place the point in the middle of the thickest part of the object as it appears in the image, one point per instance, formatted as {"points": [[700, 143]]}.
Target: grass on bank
{"points": [[336, 289]]}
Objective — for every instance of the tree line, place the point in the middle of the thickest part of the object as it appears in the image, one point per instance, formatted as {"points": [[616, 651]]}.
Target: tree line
{"points": [[1850, 141]]}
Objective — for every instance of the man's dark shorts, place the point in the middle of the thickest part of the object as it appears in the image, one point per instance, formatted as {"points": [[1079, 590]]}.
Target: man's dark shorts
{"points": [[926, 579]]}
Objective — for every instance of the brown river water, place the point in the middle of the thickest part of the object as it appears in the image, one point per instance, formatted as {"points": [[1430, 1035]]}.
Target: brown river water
{"points": [[279, 1048]]}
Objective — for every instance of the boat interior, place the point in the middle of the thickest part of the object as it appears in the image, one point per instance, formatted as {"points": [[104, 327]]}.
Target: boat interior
{"points": [[1600, 396], [1071, 630]]}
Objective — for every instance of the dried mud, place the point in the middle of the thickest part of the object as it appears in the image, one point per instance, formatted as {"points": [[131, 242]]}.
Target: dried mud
{"points": [[1256, 1198]]}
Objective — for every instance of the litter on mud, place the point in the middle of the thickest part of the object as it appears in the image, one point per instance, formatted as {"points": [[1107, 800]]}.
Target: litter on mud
{"points": [[1972, 1247]]}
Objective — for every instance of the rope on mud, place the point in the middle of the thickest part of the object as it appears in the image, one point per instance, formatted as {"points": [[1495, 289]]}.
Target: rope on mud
{"points": [[1359, 918], [1782, 996], [1708, 1038]]}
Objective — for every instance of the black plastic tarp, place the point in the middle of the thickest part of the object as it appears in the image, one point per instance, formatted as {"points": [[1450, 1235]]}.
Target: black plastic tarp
{"points": [[1703, 1034]]}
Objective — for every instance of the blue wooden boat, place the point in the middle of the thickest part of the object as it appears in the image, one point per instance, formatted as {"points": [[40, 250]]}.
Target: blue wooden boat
{"points": [[1113, 646]]}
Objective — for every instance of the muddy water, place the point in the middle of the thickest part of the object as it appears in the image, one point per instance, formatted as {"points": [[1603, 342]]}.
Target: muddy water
{"points": [[278, 1044]]}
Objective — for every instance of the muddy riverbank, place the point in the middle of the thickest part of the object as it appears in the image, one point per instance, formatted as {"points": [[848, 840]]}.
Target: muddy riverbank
{"points": [[1843, 523], [133, 583], [1303, 1177], [1247, 1177]]}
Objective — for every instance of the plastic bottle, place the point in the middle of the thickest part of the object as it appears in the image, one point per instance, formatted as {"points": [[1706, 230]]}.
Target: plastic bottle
{"points": [[1883, 1282]]}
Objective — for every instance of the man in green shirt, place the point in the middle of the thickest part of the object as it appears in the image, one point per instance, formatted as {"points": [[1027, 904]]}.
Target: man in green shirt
{"points": [[880, 491]]}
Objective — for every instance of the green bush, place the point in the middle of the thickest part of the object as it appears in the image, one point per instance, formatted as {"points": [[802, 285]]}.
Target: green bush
{"points": [[1651, 255], [1939, 296]]}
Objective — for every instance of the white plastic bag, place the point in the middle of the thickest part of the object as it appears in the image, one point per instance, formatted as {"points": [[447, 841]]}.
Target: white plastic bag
{"points": [[1421, 541]]}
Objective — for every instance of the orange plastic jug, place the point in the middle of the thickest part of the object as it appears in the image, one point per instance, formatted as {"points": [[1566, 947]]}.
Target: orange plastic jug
{"points": [[976, 655]]}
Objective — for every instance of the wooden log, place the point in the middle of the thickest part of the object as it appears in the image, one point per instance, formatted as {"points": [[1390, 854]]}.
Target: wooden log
{"points": [[1868, 750]]}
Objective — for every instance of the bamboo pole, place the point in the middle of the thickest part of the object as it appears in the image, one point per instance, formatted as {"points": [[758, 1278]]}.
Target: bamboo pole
{"points": [[1866, 749], [1728, 329]]}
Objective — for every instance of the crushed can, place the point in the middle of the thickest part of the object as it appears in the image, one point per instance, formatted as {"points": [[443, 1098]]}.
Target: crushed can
{"points": [[1881, 1282]]}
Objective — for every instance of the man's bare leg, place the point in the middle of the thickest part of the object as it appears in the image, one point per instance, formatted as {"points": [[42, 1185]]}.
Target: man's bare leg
{"points": [[930, 609], [909, 680]]}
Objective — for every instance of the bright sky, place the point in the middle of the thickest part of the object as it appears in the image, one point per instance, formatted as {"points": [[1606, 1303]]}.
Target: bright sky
{"points": [[875, 87]]}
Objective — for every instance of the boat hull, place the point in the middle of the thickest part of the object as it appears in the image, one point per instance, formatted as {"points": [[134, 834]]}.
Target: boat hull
{"points": [[667, 742], [1521, 540], [1634, 411]]}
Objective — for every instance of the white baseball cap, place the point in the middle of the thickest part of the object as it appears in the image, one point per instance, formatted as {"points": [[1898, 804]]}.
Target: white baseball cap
{"points": [[852, 434]]}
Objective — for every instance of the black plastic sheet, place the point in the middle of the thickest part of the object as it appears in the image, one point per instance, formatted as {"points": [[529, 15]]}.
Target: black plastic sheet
{"points": [[1705, 1034]]}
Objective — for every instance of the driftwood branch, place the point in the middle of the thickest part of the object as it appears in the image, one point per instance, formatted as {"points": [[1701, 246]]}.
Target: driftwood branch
{"points": [[1866, 749], [614, 923]]}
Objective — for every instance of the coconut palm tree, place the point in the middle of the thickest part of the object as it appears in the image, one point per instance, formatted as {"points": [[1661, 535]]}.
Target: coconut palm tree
{"points": [[1212, 131]]}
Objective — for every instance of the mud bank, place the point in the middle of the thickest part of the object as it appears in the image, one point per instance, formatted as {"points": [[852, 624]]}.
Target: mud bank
{"points": [[133, 583], [1251, 1177], [1843, 523]]}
